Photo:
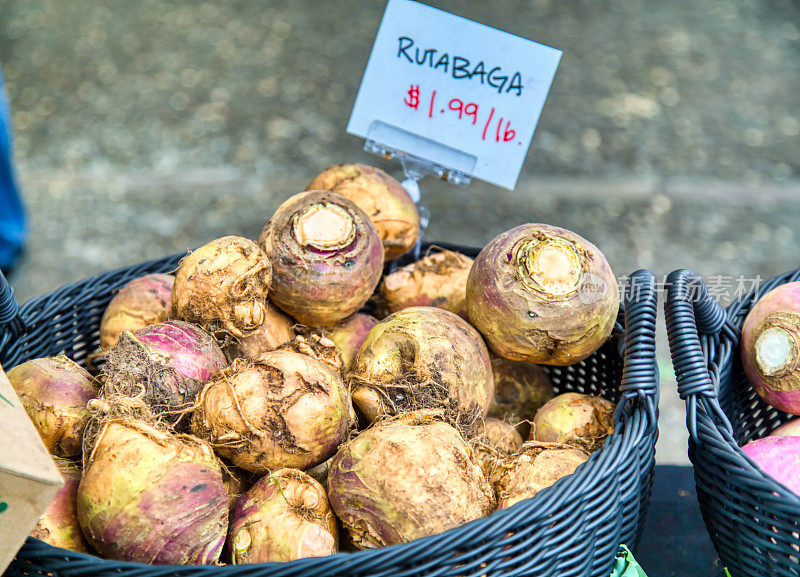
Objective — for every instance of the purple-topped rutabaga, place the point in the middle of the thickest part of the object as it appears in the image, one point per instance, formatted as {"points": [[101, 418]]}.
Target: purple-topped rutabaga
{"points": [[152, 497], [143, 301], [405, 479], [326, 256], [282, 409], [284, 516], [423, 358], [542, 294], [770, 347], [165, 364], [349, 334], [778, 457], [58, 525], [223, 286], [54, 392]]}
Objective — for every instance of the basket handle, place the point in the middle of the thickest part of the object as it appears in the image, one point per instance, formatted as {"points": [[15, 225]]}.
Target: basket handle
{"points": [[690, 313], [11, 325], [639, 373]]}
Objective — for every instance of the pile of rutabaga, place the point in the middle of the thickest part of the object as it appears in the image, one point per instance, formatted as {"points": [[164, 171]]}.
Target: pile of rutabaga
{"points": [[246, 411]]}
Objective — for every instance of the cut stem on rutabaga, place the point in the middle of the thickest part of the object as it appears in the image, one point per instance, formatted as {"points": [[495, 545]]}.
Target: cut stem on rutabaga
{"points": [[770, 347], [542, 294], [327, 257], [382, 198]]}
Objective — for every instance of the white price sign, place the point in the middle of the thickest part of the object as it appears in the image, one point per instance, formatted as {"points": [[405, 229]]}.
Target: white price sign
{"points": [[453, 92]]}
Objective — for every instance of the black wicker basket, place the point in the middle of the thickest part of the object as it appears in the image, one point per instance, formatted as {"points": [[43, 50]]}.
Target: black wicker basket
{"points": [[573, 528], [754, 521]]}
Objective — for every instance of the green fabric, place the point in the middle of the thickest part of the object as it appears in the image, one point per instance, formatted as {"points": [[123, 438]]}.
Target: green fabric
{"points": [[625, 565]]}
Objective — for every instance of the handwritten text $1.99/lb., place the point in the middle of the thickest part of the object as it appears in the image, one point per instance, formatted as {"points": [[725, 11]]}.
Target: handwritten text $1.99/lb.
{"points": [[494, 127]]}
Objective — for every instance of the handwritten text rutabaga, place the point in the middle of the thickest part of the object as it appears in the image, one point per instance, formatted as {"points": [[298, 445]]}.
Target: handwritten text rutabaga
{"points": [[459, 67]]}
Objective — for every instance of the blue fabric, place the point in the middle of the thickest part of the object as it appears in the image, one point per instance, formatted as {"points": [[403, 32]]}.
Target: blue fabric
{"points": [[12, 214]]}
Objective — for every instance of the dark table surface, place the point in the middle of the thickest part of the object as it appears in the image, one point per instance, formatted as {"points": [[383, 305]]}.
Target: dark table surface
{"points": [[675, 542]]}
